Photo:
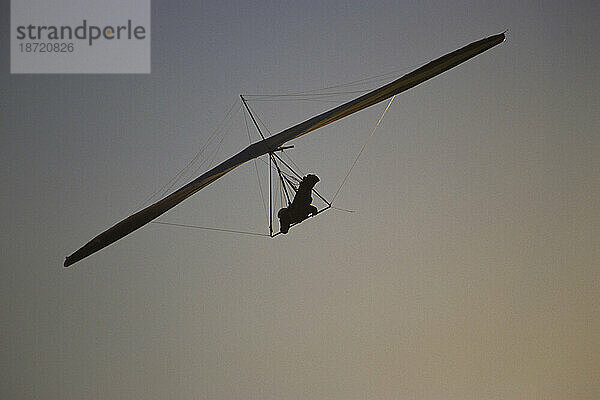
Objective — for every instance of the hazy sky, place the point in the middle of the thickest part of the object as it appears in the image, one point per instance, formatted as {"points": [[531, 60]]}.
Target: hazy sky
{"points": [[469, 271]]}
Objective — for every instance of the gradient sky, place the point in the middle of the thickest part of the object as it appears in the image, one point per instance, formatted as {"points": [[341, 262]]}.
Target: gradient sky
{"points": [[469, 271]]}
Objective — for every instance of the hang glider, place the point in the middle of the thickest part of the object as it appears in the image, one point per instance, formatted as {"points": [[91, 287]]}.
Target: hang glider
{"points": [[273, 143]]}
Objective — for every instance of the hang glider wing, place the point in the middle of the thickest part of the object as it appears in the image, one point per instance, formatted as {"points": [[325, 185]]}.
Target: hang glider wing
{"points": [[270, 144]]}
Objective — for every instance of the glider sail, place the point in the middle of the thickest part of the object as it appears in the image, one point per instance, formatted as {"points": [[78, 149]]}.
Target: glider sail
{"points": [[271, 143]]}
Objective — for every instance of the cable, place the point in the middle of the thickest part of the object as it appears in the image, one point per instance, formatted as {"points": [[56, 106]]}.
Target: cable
{"points": [[363, 81], [363, 148], [173, 180], [209, 228], [256, 168]]}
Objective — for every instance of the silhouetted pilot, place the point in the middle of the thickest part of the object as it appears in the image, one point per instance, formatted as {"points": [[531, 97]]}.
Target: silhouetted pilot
{"points": [[300, 209]]}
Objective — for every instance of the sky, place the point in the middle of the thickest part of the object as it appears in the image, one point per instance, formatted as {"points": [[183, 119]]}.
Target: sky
{"points": [[469, 269]]}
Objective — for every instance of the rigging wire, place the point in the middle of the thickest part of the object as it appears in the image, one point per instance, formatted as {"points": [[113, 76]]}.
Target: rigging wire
{"points": [[209, 228], [358, 82], [223, 130], [293, 163], [363, 147], [218, 148], [259, 97], [256, 167], [342, 209], [301, 99], [261, 122], [211, 162], [174, 179]]}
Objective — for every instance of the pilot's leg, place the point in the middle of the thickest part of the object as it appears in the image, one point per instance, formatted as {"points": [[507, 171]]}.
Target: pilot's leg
{"points": [[284, 220]]}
